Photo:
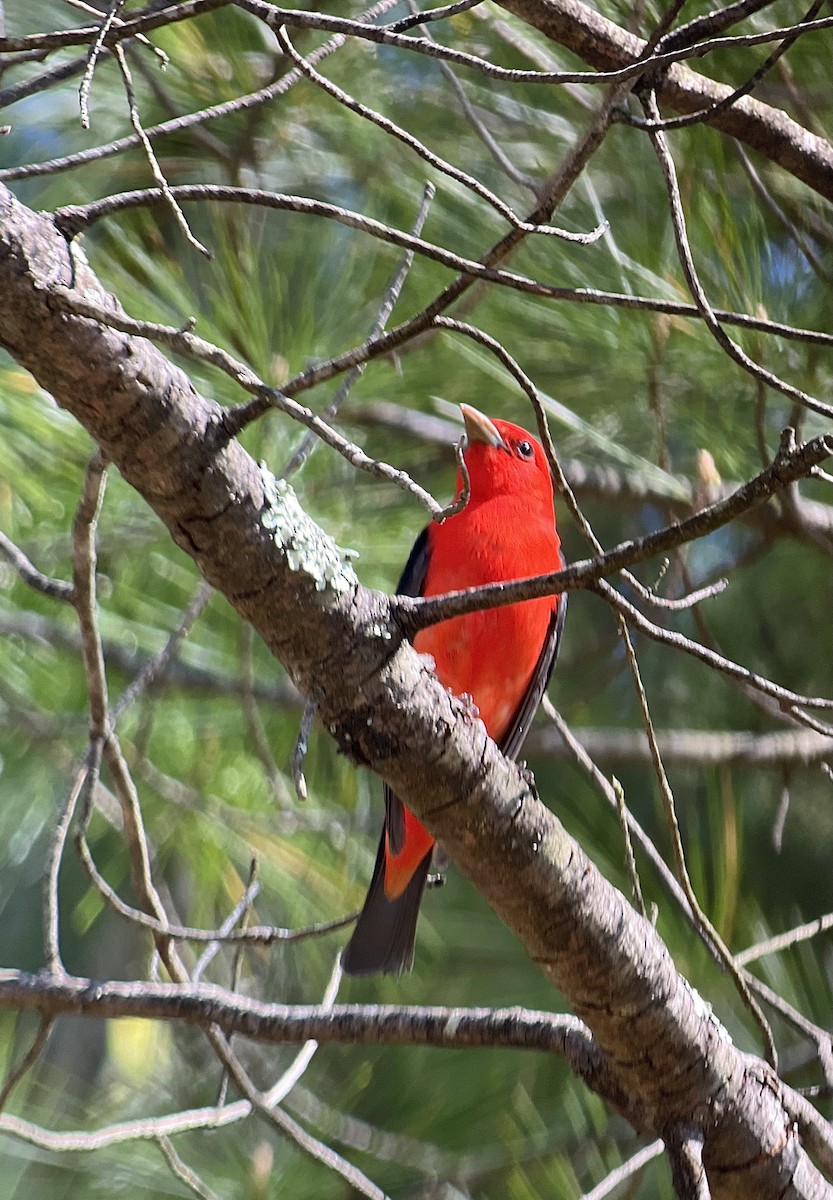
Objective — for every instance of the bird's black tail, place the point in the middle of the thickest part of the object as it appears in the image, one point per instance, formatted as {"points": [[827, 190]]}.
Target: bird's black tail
{"points": [[383, 940]]}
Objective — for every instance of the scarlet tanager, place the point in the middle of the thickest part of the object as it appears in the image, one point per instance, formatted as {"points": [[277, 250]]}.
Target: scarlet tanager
{"points": [[501, 657]]}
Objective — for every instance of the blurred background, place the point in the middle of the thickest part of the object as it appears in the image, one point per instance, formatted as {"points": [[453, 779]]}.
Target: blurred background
{"points": [[649, 416]]}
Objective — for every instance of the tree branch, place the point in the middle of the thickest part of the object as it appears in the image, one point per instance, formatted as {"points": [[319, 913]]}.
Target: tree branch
{"points": [[607, 46]]}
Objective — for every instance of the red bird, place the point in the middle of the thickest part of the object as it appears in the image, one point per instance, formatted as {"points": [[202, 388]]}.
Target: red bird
{"points": [[501, 657]]}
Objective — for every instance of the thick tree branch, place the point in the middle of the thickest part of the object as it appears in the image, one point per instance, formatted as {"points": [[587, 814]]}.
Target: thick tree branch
{"points": [[666, 1052], [606, 46]]}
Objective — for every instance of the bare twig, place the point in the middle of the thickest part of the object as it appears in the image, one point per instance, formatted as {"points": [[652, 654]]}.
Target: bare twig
{"points": [[495, 149], [635, 829], [156, 667], [394, 289], [822, 1039], [731, 348], [177, 124], [55, 589], [627, 1170], [434, 160], [182, 1171], [263, 935], [654, 123], [27, 1061], [299, 19], [281, 1088], [783, 941], [92, 58], [236, 419], [630, 861], [289, 1127], [431, 15], [241, 911], [82, 788], [786, 698], [709, 933], [815, 1131], [150, 154]]}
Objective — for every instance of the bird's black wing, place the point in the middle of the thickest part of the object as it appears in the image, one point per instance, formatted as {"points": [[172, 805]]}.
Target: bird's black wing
{"points": [[513, 739], [383, 939], [411, 583]]}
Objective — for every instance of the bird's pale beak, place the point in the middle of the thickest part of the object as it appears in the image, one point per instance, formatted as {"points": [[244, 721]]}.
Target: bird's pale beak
{"points": [[480, 429]]}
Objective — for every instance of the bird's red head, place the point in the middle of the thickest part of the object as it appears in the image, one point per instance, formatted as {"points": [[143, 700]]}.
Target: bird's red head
{"points": [[503, 459]]}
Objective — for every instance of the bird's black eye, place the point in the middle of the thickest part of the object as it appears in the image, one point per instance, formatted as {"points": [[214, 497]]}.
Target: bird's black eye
{"points": [[525, 449]]}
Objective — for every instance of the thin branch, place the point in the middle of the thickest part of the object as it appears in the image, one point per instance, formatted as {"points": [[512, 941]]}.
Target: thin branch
{"points": [[822, 1039], [786, 698], [654, 123], [281, 1088], [630, 861], [241, 910], [732, 349], [177, 124], [262, 935], [431, 15], [92, 59], [142, 1129], [603, 44], [790, 463], [273, 17], [182, 1171], [635, 829], [783, 941], [816, 1133], [75, 219], [55, 589], [713, 23], [83, 787], [626, 1171], [92, 11], [150, 154], [237, 419], [367, 1024], [289, 1127], [700, 748], [495, 149], [389, 300], [709, 933], [155, 668], [423, 152], [27, 1061], [139, 853], [765, 196]]}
